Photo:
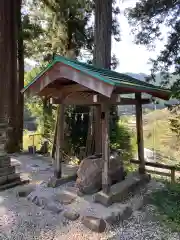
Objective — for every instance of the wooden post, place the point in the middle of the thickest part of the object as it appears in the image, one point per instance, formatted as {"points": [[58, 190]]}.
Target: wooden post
{"points": [[173, 176], [59, 141], [98, 133], [139, 127], [105, 147]]}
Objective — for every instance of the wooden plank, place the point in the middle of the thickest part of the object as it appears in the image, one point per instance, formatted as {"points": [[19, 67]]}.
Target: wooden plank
{"points": [[85, 80], [105, 147], [62, 90], [59, 141], [158, 173], [159, 165], [154, 164], [139, 127]]}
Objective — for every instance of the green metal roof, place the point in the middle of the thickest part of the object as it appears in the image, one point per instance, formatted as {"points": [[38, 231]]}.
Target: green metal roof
{"points": [[108, 76]]}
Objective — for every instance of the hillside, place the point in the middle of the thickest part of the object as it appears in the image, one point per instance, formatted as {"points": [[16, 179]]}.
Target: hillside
{"points": [[129, 110], [158, 135]]}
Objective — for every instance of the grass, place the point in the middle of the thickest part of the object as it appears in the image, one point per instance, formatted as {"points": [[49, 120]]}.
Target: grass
{"points": [[158, 134], [167, 202]]}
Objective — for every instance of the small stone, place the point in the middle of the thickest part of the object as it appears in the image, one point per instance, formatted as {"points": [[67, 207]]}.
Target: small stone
{"points": [[34, 165], [126, 213], [71, 215], [54, 208], [94, 224], [52, 182], [119, 215], [35, 200], [138, 203], [80, 194], [25, 191], [65, 198], [41, 202]]}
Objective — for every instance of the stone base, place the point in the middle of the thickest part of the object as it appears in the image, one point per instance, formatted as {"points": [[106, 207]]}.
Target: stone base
{"points": [[8, 177], [55, 182], [122, 190]]}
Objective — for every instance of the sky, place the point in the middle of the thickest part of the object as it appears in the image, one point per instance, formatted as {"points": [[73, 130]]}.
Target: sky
{"points": [[132, 58]]}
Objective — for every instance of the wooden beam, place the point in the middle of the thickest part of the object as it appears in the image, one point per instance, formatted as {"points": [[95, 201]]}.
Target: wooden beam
{"points": [[63, 90], [105, 147], [88, 99], [139, 126], [59, 141]]}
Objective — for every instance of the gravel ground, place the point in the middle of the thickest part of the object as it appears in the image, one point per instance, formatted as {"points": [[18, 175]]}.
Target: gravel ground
{"points": [[21, 219]]}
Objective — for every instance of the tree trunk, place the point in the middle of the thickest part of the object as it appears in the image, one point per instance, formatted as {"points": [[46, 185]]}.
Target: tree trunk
{"points": [[103, 29], [20, 97], [102, 59], [12, 140], [5, 60]]}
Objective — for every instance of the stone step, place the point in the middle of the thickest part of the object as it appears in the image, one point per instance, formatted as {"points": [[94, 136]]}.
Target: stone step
{"points": [[13, 176], [2, 139], [9, 178], [3, 124], [5, 161], [7, 170], [122, 190], [13, 184]]}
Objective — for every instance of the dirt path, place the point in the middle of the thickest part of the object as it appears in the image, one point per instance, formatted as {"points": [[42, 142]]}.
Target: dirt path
{"points": [[21, 219]]}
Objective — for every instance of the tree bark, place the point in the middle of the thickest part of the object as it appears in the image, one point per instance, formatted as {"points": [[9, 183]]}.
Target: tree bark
{"points": [[103, 29], [5, 46], [102, 59], [20, 82], [12, 140]]}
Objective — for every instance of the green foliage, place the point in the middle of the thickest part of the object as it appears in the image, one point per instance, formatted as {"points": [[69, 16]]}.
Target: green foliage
{"points": [[44, 114], [167, 202], [77, 120], [175, 120], [63, 28], [122, 138]]}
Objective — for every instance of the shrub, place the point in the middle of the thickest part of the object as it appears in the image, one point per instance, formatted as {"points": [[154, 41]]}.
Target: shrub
{"points": [[122, 138], [167, 201]]}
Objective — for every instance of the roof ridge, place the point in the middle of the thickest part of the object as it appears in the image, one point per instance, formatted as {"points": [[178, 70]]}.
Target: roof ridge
{"points": [[117, 75]]}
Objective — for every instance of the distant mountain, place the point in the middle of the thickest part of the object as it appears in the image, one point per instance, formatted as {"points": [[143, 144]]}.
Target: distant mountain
{"points": [[161, 103]]}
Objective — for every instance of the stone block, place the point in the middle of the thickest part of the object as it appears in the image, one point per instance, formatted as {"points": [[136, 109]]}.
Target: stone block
{"points": [[5, 161], [7, 170], [71, 215], [65, 197], [121, 191], [12, 184], [94, 224], [103, 198], [55, 182], [12, 177], [120, 215], [55, 208], [24, 191], [3, 180]]}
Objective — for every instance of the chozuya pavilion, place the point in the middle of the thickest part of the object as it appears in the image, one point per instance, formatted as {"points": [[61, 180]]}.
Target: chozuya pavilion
{"points": [[69, 82]]}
